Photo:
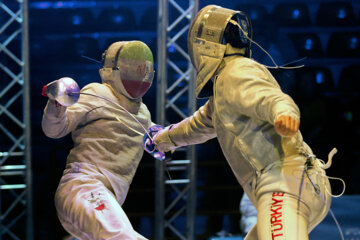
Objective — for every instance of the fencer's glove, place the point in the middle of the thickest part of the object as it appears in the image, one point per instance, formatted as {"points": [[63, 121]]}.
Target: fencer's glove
{"points": [[65, 91], [53, 107], [163, 141], [51, 100], [149, 145], [286, 126]]}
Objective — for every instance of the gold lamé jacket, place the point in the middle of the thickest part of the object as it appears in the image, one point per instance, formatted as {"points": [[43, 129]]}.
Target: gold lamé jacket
{"points": [[246, 102]]}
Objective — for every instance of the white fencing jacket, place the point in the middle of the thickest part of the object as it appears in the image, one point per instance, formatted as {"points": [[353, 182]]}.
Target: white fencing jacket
{"points": [[99, 138]]}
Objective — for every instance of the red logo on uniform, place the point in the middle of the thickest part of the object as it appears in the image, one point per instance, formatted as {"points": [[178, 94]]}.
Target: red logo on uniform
{"points": [[276, 219], [100, 207]]}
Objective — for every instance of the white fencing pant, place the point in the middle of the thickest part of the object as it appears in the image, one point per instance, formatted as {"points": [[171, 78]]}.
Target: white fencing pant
{"points": [[282, 213], [88, 210]]}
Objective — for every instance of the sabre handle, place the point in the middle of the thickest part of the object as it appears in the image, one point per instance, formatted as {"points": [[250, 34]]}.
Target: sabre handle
{"points": [[149, 145]]}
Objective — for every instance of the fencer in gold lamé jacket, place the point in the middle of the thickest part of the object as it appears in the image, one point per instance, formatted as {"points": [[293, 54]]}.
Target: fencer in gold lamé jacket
{"points": [[246, 102]]}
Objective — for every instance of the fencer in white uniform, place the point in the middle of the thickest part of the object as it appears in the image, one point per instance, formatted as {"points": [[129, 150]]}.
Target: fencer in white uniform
{"points": [[107, 150], [256, 125]]}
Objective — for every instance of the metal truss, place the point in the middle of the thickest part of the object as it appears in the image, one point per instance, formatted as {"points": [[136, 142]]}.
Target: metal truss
{"points": [[175, 187], [15, 145]]}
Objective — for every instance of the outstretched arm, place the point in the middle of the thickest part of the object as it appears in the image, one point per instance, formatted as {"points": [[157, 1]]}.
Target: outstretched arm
{"points": [[195, 129]]}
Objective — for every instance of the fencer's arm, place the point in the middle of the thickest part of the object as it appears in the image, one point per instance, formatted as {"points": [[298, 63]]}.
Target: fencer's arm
{"points": [[54, 119], [58, 121], [255, 93], [195, 129]]}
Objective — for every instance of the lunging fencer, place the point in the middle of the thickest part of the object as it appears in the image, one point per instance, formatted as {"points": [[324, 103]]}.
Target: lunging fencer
{"points": [[107, 144], [257, 126]]}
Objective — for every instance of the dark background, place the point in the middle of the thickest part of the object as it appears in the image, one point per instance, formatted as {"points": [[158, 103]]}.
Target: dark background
{"points": [[327, 33]]}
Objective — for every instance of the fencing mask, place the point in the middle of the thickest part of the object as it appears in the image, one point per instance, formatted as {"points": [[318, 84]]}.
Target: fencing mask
{"points": [[128, 66]]}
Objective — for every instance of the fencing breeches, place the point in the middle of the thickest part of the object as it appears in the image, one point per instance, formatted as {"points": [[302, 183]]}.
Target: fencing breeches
{"points": [[288, 204], [88, 210]]}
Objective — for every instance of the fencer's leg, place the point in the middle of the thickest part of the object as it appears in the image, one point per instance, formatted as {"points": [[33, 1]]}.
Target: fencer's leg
{"points": [[89, 211], [282, 216]]}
